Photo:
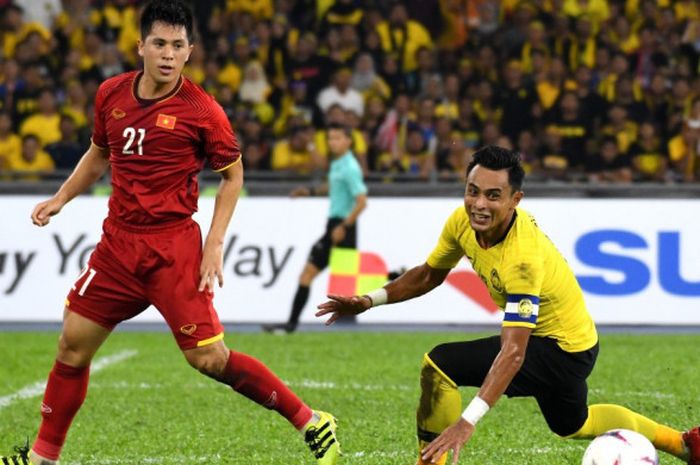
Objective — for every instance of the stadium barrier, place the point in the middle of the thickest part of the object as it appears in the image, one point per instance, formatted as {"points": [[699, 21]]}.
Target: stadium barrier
{"points": [[636, 259]]}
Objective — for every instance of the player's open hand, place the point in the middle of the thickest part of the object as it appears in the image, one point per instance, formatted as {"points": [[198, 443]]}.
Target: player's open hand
{"points": [[452, 439], [342, 305], [212, 266], [45, 210]]}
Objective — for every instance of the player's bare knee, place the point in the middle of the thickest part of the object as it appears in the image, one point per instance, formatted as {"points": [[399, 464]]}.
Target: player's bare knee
{"points": [[211, 363], [71, 353]]}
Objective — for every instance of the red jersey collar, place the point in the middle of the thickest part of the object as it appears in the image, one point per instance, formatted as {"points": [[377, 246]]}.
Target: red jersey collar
{"points": [[151, 101]]}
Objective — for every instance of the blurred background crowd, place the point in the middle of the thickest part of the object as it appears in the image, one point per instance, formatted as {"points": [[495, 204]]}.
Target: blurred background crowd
{"points": [[585, 90]]}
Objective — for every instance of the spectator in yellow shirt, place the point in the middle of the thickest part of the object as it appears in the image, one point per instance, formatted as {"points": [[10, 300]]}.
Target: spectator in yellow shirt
{"points": [[46, 123], [621, 127], [402, 35], [258, 9], [686, 10], [15, 30], [623, 36], [337, 115], [296, 153], [32, 160], [648, 155], [684, 149], [76, 103], [597, 10], [366, 80], [10, 143]]}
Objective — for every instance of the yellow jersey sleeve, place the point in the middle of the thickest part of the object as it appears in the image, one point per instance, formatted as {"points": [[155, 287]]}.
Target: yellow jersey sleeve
{"points": [[281, 156], [321, 143], [523, 278], [448, 251], [359, 145], [676, 148]]}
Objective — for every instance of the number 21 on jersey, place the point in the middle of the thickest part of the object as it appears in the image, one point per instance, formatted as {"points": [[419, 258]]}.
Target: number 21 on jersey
{"points": [[134, 140]]}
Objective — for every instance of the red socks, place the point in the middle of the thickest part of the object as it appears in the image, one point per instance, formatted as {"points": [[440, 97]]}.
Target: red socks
{"points": [[67, 387], [65, 393], [254, 380]]}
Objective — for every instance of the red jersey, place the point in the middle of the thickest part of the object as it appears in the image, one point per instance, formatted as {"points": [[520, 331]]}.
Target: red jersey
{"points": [[158, 147]]}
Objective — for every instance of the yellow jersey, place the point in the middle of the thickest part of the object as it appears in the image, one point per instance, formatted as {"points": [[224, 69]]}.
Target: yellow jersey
{"points": [[526, 277], [46, 128], [284, 157], [10, 148]]}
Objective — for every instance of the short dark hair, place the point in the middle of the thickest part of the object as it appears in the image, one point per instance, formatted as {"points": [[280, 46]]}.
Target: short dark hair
{"points": [[172, 12], [341, 127], [31, 136], [499, 158], [608, 140]]}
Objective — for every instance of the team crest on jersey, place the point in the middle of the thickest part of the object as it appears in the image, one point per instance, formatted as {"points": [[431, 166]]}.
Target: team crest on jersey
{"points": [[496, 281], [118, 113], [188, 329], [166, 121], [525, 308]]}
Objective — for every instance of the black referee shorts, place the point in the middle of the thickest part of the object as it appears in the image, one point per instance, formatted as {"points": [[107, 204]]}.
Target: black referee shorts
{"points": [[554, 377], [321, 250]]}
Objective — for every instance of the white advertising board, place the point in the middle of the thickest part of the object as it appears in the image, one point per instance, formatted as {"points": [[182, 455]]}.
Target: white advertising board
{"points": [[636, 260]]}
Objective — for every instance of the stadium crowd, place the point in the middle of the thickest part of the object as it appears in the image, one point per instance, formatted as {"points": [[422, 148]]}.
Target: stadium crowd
{"points": [[604, 91]]}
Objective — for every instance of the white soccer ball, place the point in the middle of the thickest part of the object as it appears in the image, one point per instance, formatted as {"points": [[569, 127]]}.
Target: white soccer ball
{"points": [[620, 447]]}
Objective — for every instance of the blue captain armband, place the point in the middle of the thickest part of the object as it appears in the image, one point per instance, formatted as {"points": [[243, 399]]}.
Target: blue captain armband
{"points": [[522, 308]]}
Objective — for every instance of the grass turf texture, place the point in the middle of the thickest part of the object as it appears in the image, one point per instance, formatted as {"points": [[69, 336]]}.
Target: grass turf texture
{"points": [[153, 409]]}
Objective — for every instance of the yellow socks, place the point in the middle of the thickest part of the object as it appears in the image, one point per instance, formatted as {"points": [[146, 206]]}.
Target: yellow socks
{"points": [[604, 417], [440, 405]]}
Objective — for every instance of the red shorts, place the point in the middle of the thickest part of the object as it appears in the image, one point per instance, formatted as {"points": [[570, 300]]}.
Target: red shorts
{"points": [[134, 267]]}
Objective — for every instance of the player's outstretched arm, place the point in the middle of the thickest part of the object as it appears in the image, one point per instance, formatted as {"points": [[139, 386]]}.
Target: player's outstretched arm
{"points": [[230, 187], [413, 283], [90, 168], [503, 369]]}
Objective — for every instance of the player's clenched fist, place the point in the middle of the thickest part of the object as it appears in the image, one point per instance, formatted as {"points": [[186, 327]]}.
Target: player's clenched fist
{"points": [[45, 210]]}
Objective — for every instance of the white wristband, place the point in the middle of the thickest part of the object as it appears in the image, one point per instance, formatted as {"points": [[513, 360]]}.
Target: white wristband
{"points": [[378, 296], [476, 409]]}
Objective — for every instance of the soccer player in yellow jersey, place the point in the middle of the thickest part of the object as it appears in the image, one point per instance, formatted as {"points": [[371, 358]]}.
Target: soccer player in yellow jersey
{"points": [[548, 343]]}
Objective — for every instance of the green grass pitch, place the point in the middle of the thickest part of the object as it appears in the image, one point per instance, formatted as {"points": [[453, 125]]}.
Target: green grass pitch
{"points": [[151, 408]]}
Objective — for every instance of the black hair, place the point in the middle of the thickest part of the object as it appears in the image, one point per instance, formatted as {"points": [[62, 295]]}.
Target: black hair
{"points": [[498, 158], [608, 140], [341, 127], [31, 136], [171, 12]]}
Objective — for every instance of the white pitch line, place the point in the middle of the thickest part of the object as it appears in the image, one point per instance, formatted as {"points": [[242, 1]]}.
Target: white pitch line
{"points": [[313, 384], [304, 383], [645, 394], [37, 389]]}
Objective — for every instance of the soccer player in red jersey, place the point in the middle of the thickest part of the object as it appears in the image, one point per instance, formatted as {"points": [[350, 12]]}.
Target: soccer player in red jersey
{"points": [[156, 129]]}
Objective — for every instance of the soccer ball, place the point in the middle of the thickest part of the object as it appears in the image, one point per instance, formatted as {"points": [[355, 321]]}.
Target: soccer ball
{"points": [[620, 447]]}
